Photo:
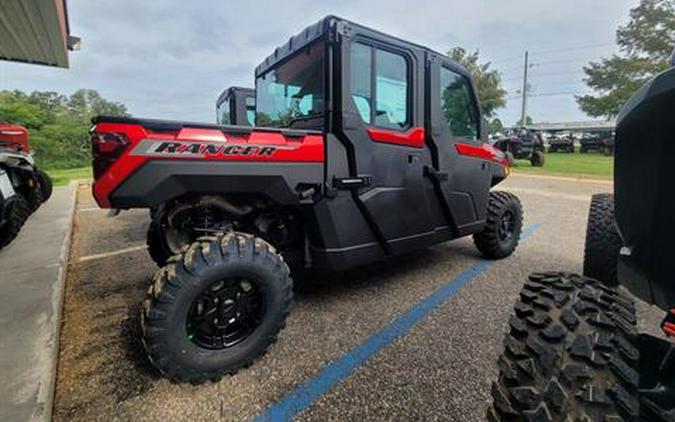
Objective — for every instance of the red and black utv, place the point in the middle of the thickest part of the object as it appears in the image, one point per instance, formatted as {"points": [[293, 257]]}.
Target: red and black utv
{"points": [[23, 187], [574, 351], [365, 147], [236, 106]]}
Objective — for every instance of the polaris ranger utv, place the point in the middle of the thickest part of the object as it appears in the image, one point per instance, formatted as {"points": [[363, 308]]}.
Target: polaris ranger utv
{"points": [[23, 187], [573, 351], [236, 106], [373, 147]]}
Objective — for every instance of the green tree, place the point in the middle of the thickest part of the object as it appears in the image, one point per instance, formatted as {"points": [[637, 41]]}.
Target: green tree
{"points": [[59, 125], [496, 125], [488, 81], [646, 43]]}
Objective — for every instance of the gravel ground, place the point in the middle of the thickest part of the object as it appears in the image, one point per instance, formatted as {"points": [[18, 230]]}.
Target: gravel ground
{"points": [[439, 370]]}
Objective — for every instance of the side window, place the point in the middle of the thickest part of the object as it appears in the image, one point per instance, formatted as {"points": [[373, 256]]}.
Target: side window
{"points": [[223, 112], [361, 74], [386, 104], [457, 105], [391, 91], [250, 110]]}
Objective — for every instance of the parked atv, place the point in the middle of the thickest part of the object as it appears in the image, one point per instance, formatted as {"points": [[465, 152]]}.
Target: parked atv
{"points": [[243, 208], [561, 143], [524, 146], [574, 351], [601, 142], [23, 187]]}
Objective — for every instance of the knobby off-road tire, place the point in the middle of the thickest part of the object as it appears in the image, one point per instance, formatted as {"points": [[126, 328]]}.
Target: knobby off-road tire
{"points": [[18, 211], [603, 243], [500, 238], [537, 159], [191, 275], [45, 184], [570, 354]]}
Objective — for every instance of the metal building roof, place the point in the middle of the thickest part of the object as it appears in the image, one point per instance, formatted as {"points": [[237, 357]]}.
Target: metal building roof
{"points": [[35, 31]]}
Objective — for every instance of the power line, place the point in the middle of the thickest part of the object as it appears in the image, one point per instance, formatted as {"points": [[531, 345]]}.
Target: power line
{"points": [[581, 47]]}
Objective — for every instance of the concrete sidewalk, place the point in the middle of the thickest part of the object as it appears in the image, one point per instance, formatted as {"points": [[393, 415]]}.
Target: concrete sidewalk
{"points": [[32, 275]]}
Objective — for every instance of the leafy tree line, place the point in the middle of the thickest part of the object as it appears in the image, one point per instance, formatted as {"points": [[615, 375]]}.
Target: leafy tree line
{"points": [[58, 124], [645, 44]]}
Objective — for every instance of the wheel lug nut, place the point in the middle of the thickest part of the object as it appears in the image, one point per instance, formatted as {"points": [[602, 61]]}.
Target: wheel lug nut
{"points": [[232, 320]]}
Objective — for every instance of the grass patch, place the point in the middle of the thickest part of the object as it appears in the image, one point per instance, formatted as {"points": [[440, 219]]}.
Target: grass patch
{"points": [[589, 165], [62, 177]]}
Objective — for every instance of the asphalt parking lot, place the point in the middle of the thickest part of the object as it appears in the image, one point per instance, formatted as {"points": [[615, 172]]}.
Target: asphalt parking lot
{"points": [[369, 344]]}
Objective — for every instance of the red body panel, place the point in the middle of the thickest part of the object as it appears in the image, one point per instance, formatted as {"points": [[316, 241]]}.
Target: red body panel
{"points": [[412, 138], [200, 144], [482, 151], [14, 137]]}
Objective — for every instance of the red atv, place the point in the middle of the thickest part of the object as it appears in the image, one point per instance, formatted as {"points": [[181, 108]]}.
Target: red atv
{"points": [[365, 147], [23, 187]]}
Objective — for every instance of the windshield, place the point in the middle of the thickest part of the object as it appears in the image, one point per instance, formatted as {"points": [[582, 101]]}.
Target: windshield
{"points": [[292, 90]]}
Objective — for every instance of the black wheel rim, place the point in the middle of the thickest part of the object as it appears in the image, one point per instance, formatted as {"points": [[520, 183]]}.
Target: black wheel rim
{"points": [[225, 313], [506, 226]]}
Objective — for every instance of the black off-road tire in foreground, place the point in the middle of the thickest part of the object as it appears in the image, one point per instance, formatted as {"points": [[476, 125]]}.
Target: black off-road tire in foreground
{"points": [[537, 159], [603, 243], [187, 283], [504, 223], [18, 211], [570, 354]]}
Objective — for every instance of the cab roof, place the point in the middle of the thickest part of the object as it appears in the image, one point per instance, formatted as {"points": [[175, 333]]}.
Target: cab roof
{"points": [[315, 31]]}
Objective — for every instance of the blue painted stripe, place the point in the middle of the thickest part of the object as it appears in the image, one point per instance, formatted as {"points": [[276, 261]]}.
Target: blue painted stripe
{"points": [[302, 396]]}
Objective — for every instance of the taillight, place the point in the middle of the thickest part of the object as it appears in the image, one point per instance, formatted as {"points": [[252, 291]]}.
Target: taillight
{"points": [[105, 148]]}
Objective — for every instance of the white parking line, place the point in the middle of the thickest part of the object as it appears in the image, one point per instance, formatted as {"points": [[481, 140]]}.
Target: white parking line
{"points": [[113, 253], [90, 209]]}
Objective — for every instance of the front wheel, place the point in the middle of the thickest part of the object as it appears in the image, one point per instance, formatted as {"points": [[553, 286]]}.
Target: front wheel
{"points": [[537, 159], [504, 222], [17, 212], [216, 307], [603, 243]]}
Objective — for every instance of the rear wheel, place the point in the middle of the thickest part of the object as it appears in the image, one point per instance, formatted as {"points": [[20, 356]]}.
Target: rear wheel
{"points": [[537, 159], [603, 243], [16, 214], [45, 184], [216, 307], [570, 354], [175, 226], [504, 222]]}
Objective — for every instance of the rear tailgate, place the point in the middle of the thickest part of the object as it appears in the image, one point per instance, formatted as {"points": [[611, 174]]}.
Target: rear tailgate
{"points": [[122, 147]]}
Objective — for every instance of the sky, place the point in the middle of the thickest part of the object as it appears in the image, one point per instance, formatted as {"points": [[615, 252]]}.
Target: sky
{"points": [[171, 59]]}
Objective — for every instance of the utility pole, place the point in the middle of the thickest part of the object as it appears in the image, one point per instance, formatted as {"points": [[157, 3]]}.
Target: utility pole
{"points": [[523, 113]]}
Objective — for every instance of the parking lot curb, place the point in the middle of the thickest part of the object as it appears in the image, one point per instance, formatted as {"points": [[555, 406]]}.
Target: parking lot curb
{"points": [[33, 293], [564, 178]]}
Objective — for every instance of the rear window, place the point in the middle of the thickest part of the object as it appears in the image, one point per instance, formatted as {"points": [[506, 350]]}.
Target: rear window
{"points": [[457, 105]]}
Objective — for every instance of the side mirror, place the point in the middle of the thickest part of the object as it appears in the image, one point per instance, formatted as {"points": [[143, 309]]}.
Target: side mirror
{"points": [[484, 129]]}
